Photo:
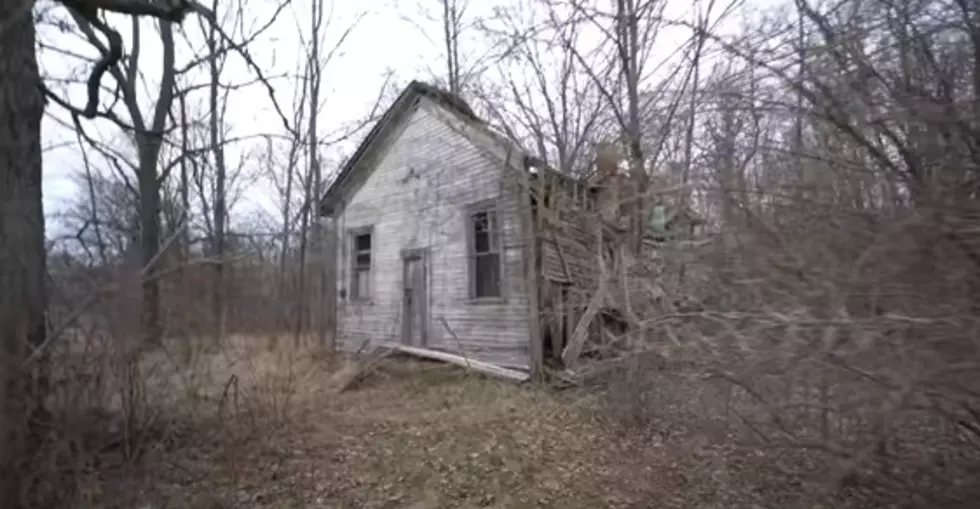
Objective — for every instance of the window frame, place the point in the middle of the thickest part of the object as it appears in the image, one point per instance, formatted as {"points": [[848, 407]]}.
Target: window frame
{"points": [[352, 235], [491, 208]]}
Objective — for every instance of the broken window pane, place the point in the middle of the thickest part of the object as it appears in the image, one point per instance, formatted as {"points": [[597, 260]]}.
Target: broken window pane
{"points": [[480, 221], [484, 232]]}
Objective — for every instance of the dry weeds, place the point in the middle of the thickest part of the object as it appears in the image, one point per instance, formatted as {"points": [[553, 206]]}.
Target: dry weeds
{"points": [[417, 435]]}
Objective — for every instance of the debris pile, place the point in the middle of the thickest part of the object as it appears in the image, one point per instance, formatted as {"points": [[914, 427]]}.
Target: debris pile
{"points": [[603, 278]]}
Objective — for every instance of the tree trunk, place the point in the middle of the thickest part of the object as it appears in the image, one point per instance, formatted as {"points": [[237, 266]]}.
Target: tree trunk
{"points": [[284, 272], [22, 260], [216, 119], [315, 302], [149, 235], [450, 33], [629, 49], [149, 143]]}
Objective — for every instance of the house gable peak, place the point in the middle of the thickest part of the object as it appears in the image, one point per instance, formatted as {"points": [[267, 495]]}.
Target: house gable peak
{"points": [[405, 100]]}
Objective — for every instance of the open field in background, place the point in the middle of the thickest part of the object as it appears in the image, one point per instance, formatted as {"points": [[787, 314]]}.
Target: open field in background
{"points": [[248, 426]]}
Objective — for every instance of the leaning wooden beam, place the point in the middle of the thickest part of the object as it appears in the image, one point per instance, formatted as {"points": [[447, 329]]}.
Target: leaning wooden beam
{"points": [[561, 255], [531, 272], [558, 297], [574, 347], [478, 366]]}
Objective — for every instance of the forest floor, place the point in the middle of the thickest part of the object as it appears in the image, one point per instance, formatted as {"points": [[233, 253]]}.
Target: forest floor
{"points": [[424, 436]]}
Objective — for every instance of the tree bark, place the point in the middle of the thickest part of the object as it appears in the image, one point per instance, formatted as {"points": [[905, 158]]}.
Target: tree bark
{"points": [[316, 173], [22, 260], [450, 33], [216, 125], [149, 142]]}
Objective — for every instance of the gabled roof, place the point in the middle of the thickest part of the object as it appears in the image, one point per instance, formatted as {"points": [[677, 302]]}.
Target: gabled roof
{"points": [[461, 110], [402, 104]]}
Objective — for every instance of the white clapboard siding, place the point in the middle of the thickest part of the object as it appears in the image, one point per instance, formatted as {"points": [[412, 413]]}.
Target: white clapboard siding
{"points": [[425, 175]]}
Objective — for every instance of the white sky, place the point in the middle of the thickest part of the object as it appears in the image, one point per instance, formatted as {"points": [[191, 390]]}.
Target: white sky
{"points": [[351, 82], [393, 35]]}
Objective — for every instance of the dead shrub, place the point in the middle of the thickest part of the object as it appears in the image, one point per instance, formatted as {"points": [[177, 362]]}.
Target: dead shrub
{"points": [[854, 358], [841, 280], [110, 409]]}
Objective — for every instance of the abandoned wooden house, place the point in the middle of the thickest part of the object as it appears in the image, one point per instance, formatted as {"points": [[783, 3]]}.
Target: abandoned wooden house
{"points": [[450, 237]]}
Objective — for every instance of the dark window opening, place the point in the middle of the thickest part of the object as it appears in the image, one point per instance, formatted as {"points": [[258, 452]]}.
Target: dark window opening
{"points": [[361, 270], [485, 273]]}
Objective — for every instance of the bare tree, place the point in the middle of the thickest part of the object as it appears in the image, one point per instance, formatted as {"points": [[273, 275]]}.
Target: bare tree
{"points": [[452, 26], [148, 134], [624, 75], [542, 96], [220, 174], [22, 257], [312, 180], [463, 63], [22, 250], [293, 165], [148, 138], [840, 146]]}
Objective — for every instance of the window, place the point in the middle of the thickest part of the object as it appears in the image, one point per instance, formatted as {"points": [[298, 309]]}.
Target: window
{"points": [[360, 287], [484, 253]]}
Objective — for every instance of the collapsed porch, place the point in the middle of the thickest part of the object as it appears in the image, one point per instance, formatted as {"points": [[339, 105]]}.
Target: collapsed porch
{"points": [[602, 275]]}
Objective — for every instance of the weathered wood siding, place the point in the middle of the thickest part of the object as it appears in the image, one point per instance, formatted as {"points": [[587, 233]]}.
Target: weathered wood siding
{"points": [[426, 174], [569, 250]]}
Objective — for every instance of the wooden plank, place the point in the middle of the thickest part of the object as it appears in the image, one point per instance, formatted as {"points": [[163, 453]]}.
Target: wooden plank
{"points": [[531, 272], [561, 256], [569, 321], [558, 320], [574, 348], [470, 364]]}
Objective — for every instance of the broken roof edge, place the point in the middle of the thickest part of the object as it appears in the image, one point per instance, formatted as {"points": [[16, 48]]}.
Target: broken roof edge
{"points": [[401, 104]]}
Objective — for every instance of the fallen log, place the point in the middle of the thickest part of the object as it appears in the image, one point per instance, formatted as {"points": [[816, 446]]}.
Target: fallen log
{"points": [[474, 365]]}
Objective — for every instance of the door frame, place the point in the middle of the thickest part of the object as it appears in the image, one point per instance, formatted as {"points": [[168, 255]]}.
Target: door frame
{"points": [[422, 312]]}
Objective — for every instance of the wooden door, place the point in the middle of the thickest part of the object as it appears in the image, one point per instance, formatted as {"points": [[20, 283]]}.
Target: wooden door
{"points": [[414, 299]]}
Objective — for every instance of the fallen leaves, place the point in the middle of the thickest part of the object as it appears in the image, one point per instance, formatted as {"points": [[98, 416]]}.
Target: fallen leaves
{"points": [[428, 437]]}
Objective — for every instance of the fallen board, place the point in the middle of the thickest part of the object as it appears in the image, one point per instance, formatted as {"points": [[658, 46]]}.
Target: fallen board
{"points": [[470, 364]]}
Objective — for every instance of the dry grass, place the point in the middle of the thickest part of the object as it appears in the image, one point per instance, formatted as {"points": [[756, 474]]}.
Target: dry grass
{"points": [[417, 435]]}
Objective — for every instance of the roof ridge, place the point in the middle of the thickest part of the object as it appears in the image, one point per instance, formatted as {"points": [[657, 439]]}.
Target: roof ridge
{"points": [[445, 97]]}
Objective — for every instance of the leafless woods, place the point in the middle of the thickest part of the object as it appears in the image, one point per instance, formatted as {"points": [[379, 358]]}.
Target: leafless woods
{"points": [[830, 150]]}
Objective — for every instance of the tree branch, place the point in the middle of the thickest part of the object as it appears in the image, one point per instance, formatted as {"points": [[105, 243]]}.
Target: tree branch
{"points": [[172, 10]]}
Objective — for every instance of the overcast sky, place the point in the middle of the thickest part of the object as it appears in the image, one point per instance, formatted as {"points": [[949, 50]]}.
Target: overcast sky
{"points": [[382, 40], [402, 36]]}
